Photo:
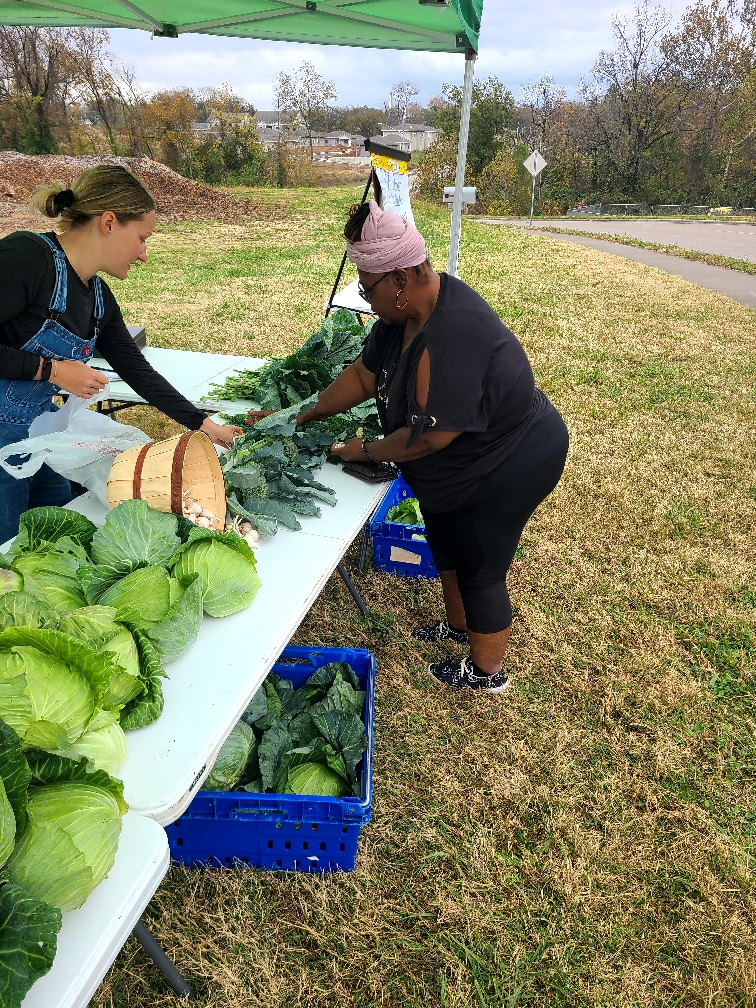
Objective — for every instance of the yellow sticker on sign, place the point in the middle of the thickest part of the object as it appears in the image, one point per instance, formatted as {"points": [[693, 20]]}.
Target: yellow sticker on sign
{"points": [[388, 164]]}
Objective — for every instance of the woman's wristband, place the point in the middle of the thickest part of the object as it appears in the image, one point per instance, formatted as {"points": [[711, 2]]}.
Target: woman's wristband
{"points": [[371, 457], [46, 369]]}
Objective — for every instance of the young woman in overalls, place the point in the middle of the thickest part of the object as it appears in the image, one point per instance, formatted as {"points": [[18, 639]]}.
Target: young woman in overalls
{"points": [[54, 308]]}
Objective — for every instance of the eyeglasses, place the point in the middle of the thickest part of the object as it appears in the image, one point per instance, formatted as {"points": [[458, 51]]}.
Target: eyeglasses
{"points": [[366, 292]]}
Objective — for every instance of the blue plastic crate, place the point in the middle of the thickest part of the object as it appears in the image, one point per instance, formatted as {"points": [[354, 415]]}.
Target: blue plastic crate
{"points": [[394, 549], [281, 831]]}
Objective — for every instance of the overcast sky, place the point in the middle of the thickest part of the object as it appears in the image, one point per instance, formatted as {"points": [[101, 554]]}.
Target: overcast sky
{"points": [[518, 44]]}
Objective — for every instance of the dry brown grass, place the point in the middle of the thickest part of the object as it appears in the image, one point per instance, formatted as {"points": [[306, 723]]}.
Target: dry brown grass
{"points": [[586, 838]]}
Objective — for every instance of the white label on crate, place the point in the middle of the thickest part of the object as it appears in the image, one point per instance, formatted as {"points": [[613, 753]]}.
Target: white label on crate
{"points": [[397, 553]]}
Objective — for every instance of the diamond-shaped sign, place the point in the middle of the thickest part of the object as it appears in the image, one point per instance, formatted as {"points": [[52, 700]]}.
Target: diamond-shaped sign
{"points": [[535, 163]]}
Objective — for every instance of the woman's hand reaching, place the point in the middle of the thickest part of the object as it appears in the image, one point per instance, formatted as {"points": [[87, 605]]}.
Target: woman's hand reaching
{"points": [[350, 451], [258, 414], [220, 434], [79, 379]]}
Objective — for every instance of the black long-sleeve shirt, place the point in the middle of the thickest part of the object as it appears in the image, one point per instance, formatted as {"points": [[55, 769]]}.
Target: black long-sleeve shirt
{"points": [[27, 280]]}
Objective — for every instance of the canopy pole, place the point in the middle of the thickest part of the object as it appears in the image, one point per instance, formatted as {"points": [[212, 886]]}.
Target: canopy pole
{"points": [[459, 181]]}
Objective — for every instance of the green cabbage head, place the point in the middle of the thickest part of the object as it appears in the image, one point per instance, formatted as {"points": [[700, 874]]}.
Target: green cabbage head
{"points": [[103, 744], [50, 686], [98, 627], [226, 568], [232, 759], [316, 779], [69, 844]]}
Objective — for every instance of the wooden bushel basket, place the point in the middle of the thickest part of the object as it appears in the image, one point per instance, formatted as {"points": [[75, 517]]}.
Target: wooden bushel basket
{"points": [[161, 471]]}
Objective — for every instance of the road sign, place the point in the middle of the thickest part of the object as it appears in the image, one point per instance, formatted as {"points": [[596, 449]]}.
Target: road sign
{"points": [[535, 163]]}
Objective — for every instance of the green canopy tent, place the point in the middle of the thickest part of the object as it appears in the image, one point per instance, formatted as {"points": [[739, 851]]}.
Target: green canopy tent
{"points": [[424, 25]]}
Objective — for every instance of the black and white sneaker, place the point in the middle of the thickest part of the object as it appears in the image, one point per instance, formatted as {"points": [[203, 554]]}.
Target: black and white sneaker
{"points": [[439, 632], [462, 673]]}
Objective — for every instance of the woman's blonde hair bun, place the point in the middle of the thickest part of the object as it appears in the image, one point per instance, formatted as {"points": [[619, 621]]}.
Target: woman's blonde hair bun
{"points": [[104, 187]]}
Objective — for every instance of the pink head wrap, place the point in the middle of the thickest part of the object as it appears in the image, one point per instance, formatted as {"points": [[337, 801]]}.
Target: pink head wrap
{"points": [[388, 242]]}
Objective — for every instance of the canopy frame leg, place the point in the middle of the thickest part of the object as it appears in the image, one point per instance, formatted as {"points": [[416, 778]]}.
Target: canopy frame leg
{"points": [[459, 181]]}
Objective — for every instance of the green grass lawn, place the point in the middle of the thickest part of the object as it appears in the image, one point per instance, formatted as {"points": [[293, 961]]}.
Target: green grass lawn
{"points": [[585, 839]]}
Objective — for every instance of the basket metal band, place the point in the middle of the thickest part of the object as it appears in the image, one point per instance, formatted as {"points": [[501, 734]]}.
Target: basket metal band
{"points": [[177, 498], [137, 482]]}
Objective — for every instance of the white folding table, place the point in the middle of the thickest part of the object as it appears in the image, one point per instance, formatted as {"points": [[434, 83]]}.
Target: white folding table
{"points": [[209, 686], [92, 936], [207, 691], [189, 372]]}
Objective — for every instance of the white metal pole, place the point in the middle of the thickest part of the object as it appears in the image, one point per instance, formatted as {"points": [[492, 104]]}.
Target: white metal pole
{"points": [[532, 202], [459, 181]]}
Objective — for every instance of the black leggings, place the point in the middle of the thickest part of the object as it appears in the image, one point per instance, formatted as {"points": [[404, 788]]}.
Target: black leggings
{"points": [[479, 539]]}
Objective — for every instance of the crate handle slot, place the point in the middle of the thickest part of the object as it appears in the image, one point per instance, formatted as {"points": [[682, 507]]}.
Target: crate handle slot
{"points": [[281, 813]]}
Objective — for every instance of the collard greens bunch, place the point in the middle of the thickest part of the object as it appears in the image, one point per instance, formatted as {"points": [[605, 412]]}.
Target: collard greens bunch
{"points": [[286, 381], [268, 471], [297, 741]]}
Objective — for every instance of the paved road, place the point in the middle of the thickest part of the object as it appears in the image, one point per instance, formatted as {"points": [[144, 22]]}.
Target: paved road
{"points": [[735, 239], [738, 286]]}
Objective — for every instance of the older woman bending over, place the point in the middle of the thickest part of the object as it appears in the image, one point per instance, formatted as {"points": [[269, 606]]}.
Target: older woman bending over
{"points": [[479, 445]]}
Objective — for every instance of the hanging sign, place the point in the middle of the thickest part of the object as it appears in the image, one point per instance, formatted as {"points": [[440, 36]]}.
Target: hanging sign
{"points": [[393, 185]]}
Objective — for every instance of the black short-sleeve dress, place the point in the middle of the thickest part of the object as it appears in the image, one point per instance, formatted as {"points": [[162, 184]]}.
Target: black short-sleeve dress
{"points": [[481, 384]]}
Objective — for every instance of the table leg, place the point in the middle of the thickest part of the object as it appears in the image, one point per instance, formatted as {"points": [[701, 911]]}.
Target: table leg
{"points": [[110, 410], [170, 974], [363, 549], [352, 589]]}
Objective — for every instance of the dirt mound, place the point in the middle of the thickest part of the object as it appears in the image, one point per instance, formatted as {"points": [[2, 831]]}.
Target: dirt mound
{"points": [[177, 198]]}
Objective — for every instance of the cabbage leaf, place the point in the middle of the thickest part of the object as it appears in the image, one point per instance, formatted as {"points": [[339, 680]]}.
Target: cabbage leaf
{"points": [[142, 598], [103, 743], [69, 844], [178, 631], [15, 774], [135, 535], [28, 942], [147, 706], [97, 626], [48, 525], [52, 576], [315, 779], [20, 608]]}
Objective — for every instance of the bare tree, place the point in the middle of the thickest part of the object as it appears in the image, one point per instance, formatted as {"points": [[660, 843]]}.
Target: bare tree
{"points": [[307, 94], [636, 104], [37, 69], [543, 100], [400, 98]]}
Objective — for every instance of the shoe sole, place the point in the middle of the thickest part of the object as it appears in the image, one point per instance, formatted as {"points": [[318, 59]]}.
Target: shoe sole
{"points": [[480, 689]]}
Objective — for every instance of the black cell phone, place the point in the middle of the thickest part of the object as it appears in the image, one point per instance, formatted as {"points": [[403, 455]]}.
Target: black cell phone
{"points": [[372, 472]]}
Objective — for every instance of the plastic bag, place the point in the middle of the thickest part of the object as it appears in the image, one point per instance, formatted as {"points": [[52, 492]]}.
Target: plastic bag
{"points": [[74, 441]]}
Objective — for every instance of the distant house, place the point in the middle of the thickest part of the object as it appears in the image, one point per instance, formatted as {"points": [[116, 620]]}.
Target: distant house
{"points": [[394, 140], [272, 137], [417, 135], [274, 120], [203, 130]]}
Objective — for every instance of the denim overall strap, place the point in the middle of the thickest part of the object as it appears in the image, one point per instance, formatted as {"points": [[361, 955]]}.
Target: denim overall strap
{"points": [[99, 304], [60, 291], [23, 400]]}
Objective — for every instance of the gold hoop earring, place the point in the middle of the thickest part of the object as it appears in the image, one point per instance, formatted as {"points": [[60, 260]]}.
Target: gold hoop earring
{"points": [[401, 307]]}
